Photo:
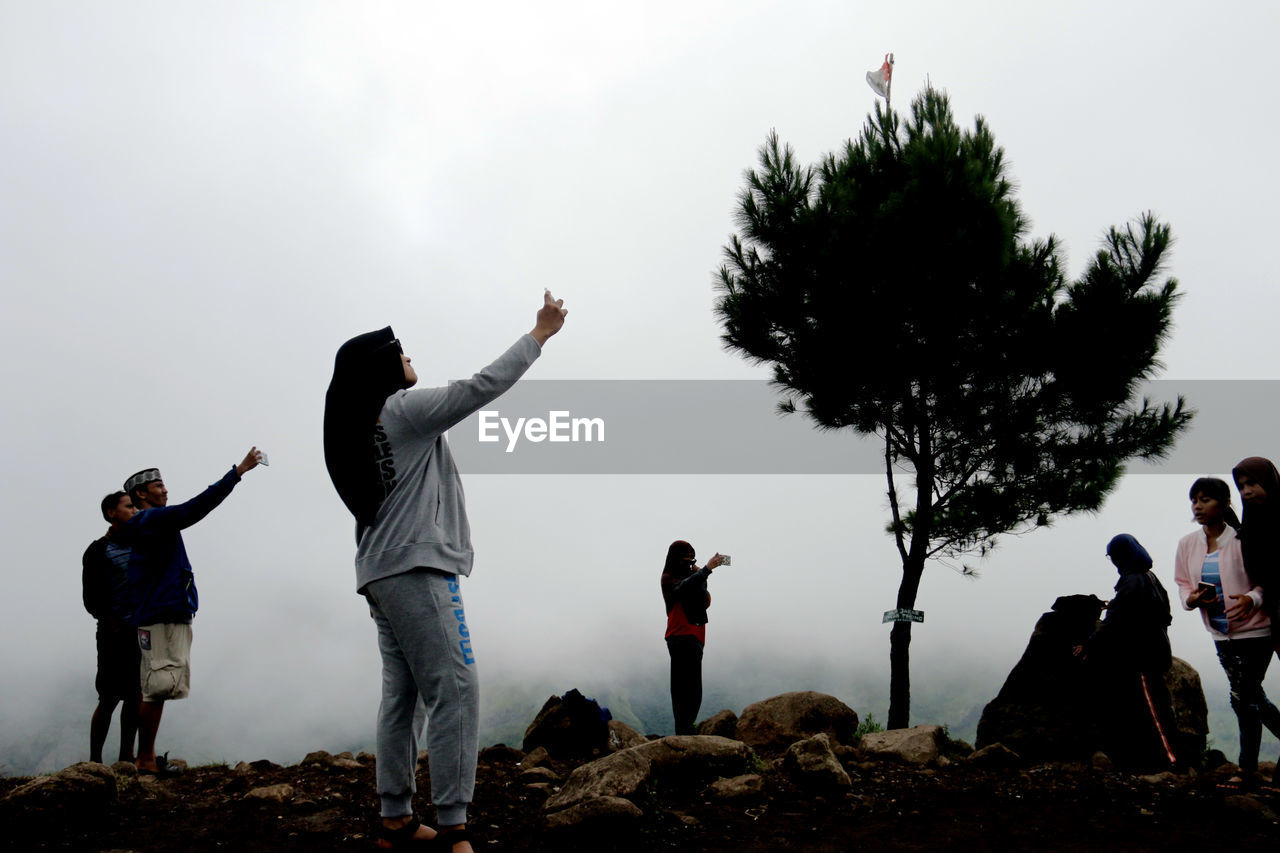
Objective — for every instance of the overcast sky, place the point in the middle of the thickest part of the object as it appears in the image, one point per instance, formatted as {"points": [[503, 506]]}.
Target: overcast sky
{"points": [[199, 203]]}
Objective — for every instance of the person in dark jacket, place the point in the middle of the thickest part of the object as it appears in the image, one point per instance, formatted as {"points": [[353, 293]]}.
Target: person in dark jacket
{"points": [[106, 597], [1130, 650], [1259, 485], [162, 591], [684, 591]]}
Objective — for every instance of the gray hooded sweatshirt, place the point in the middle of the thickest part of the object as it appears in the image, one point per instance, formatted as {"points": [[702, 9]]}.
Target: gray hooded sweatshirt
{"points": [[423, 520]]}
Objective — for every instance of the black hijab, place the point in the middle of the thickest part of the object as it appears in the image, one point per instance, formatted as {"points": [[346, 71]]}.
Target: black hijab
{"points": [[366, 371], [1260, 528]]}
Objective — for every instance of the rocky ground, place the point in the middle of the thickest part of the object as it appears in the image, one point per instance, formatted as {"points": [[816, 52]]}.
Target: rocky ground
{"points": [[827, 790]]}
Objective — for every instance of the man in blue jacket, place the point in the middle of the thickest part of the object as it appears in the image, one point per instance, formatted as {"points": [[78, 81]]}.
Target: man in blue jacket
{"points": [[163, 592]]}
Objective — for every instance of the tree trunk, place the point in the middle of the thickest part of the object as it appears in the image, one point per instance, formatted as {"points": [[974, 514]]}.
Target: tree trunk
{"points": [[900, 649]]}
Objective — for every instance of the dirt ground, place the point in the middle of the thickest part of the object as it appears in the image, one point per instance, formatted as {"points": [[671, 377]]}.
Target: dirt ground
{"points": [[1043, 808]]}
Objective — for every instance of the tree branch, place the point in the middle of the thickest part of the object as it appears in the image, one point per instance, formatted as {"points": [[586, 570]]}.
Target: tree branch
{"points": [[893, 494]]}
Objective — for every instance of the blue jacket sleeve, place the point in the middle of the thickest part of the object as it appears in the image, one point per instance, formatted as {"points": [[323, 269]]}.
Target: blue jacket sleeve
{"points": [[184, 515]]}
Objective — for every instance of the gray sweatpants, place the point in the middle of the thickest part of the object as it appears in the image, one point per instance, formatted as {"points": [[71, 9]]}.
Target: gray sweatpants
{"points": [[428, 671]]}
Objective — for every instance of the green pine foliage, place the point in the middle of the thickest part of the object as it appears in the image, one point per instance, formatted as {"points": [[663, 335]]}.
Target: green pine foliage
{"points": [[894, 291]]}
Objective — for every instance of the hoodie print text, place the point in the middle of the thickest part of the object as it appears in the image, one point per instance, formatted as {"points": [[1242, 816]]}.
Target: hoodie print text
{"points": [[386, 462]]}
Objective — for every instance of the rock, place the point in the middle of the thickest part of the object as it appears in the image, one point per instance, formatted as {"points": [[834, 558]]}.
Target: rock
{"points": [[720, 724], [538, 774], [603, 815], [1101, 761], [152, 788], [1189, 711], [262, 765], [244, 768], [623, 773], [366, 758], [570, 726], [1050, 705], [538, 791], [346, 764], [327, 822], [1249, 807], [774, 724], [1214, 758], [921, 745], [83, 790], [271, 793], [318, 757], [1163, 778], [739, 788], [500, 753], [1041, 710], [995, 755], [537, 758], [125, 770], [622, 736], [812, 765], [346, 754]]}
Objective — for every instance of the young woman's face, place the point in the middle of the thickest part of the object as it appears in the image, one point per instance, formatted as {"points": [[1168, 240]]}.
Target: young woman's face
{"points": [[410, 375], [1250, 491], [1207, 511]]}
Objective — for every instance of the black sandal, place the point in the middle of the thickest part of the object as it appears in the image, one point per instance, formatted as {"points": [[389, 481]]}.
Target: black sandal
{"points": [[402, 838], [446, 838]]}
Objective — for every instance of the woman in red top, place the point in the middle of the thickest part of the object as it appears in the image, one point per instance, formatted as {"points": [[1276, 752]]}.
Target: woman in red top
{"points": [[684, 591]]}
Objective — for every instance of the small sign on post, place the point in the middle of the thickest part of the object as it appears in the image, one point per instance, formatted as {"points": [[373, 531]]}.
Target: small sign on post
{"points": [[902, 615]]}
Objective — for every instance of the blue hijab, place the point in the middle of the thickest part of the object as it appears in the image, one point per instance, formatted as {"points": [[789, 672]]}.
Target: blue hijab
{"points": [[1128, 554]]}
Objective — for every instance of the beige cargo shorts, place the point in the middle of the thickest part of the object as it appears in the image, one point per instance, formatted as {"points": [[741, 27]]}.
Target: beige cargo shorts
{"points": [[166, 661]]}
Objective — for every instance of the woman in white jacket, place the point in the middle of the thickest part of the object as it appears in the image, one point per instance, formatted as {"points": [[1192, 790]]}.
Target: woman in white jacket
{"points": [[1209, 571]]}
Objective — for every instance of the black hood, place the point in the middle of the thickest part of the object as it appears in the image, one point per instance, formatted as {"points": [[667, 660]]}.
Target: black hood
{"points": [[366, 371]]}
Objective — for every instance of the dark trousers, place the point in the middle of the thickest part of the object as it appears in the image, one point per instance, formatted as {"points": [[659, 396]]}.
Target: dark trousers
{"points": [[1245, 662], [686, 681], [1140, 727]]}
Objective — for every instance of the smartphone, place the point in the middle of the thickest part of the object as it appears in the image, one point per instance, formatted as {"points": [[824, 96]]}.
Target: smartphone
{"points": [[1203, 587], [725, 559], [262, 458]]}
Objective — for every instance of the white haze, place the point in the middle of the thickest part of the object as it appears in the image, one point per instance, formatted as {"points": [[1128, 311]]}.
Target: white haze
{"points": [[201, 202]]}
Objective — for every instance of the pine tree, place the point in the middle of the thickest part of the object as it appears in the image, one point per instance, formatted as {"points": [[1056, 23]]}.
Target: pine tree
{"points": [[894, 292]]}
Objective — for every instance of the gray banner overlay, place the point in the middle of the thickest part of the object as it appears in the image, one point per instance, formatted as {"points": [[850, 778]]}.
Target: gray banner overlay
{"points": [[733, 427]]}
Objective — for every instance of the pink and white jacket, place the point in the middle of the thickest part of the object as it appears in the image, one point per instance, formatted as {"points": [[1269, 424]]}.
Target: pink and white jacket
{"points": [[1192, 549]]}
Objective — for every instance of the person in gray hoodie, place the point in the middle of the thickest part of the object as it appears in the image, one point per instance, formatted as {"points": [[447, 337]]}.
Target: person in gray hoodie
{"points": [[387, 456]]}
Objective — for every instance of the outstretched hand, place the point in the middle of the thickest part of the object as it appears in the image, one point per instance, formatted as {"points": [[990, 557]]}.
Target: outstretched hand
{"points": [[250, 461], [715, 562], [550, 318]]}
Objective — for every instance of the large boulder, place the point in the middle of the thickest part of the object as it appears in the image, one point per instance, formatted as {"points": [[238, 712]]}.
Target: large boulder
{"points": [[720, 724], [1189, 710], [570, 726], [1053, 704], [605, 816], [622, 736], [774, 724], [628, 772], [812, 764], [921, 745], [79, 792]]}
